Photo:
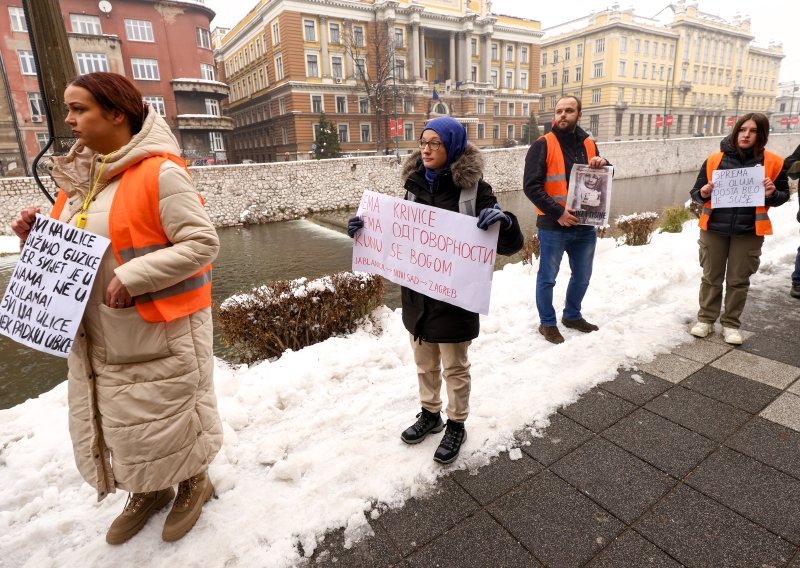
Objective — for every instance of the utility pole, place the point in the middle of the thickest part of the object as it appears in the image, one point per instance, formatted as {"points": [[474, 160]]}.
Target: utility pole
{"points": [[52, 53]]}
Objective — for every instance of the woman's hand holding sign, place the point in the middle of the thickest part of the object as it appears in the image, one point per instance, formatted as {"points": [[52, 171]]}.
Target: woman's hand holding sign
{"points": [[705, 191], [769, 187], [22, 224]]}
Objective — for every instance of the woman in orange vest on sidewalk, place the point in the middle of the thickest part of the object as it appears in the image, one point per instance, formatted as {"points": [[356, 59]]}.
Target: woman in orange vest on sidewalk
{"points": [[142, 409], [731, 237]]}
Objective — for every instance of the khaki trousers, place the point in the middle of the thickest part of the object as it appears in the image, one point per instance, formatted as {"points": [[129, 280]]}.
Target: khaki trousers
{"points": [[732, 259], [430, 357]]}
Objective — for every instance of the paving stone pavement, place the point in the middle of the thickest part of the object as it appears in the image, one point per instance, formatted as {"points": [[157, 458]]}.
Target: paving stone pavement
{"points": [[690, 460]]}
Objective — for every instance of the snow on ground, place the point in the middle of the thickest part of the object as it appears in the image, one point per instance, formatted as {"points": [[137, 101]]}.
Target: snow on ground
{"points": [[312, 440], [9, 244]]}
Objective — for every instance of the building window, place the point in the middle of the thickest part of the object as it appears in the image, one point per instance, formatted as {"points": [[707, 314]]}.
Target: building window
{"points": [[566, 53], [565, 77], [622, 68], [282, 105], [26, 62], [400, 69], [594, 124], [511, 109], [579, 50], [544, 58], [83, 24], [620, 94], [495, 52], [341, 104], [525, 55], [284, 135], [578, 74], [335, 33], [316, 104], [212, 107], [36, 104], [42, 138], [543, 80], [555, 56], [481, 131], [554, 78], [494, 78], [276, 33], [623, 44], [363, 105], [496, 132], [18, 23], [509, 79], [408, 131], [597, 69], [510, 53], [481, 106], [600, 45], [215, 142], [312, 66], [361, 68], [408, 104], [145, 69], [496, 109], [473, 74], [595, 95], [510, 132], [366, 133], [278, 68], [399, 39], [309, 30], [139, 30], [473, 47], [204, 38], [358, 37], [157, 103], [344, 132], [91, 62], [207, 72], [337, 67]]}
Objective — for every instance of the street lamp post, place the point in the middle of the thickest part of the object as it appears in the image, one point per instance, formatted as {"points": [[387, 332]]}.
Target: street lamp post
{"points": [[394, 96], [791, 106]]}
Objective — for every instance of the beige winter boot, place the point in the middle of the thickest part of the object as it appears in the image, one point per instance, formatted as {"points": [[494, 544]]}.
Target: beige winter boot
{"points": [[192, 494], [138, 508]]}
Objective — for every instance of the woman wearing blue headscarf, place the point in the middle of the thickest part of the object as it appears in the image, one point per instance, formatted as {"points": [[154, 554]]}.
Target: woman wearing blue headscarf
{"points": [[441, 333]]}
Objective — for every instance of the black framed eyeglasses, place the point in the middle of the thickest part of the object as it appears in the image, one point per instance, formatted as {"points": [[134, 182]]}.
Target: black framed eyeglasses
{"points": [[432, 144]]}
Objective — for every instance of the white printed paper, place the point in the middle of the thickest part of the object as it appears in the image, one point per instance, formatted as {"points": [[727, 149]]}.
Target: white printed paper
{"points": [[439, 253], [589, 194], [47, 294], [742, 187]]}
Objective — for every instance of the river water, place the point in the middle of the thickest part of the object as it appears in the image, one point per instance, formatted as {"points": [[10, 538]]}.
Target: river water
{"points": [[251, 256]]}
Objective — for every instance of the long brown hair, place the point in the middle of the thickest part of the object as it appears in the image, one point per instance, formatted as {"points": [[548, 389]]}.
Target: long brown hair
{"points": [[762, 132], [115, 93]]}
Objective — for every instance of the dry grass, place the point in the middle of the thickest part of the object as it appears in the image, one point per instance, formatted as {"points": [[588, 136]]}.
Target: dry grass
{"points": [[637, 229]]}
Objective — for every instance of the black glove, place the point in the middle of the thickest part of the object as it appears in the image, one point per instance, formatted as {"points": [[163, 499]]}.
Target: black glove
{"points": [[353, 226], [491, 216]]}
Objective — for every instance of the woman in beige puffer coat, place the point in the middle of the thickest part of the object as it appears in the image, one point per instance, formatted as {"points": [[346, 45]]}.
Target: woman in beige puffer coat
{"points": [[142, 408]]}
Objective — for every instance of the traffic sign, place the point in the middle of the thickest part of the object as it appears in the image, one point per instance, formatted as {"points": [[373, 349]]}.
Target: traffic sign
{"points": [[669, 120], [784, 120], [659, 121]]}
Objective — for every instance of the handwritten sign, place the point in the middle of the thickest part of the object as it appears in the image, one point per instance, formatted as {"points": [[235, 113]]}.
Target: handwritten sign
{"points": [[438, 253], [742, 187], [47, 294]]}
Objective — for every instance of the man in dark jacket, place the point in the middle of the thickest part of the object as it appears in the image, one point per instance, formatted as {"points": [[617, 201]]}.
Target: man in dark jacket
{"points": [[792, 164], [545, 183], [440, 332]]}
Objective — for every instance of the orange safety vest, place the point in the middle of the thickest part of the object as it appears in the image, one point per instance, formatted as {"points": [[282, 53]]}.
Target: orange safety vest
{"points": [[134, 225], [772, 168], [555, 181]]}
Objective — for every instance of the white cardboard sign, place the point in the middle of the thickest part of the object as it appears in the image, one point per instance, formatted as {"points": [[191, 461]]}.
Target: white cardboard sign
{"points": [[48, 291], [439, 253], [742, 187]]}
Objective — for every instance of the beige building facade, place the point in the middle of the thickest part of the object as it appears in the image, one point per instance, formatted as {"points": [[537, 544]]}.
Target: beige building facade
{"points": [[640, 78], [289, 61]]}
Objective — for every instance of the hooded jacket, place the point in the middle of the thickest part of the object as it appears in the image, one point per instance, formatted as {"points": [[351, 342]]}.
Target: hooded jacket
{"points": [[792, 165], [142, 408], [572, 147], [738, 220], [432, 320]]}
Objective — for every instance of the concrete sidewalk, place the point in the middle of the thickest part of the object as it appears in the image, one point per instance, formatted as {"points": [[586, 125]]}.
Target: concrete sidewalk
{"points": [[691, 460]]}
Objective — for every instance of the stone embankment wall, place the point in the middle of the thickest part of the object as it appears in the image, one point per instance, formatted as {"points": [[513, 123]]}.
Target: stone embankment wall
{"points": [[258, 193]]}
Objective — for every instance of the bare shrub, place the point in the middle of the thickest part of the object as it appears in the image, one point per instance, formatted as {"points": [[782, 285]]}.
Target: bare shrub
{"points": [[637, 229], [292, 314], [531, 249]]}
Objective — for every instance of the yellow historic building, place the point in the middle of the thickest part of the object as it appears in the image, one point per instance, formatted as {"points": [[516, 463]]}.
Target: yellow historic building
{"points": [[363, 62], [696, 69]]}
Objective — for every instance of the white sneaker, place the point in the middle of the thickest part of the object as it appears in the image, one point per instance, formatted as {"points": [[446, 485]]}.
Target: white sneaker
{"points": [[702, 329], [732, 336]]}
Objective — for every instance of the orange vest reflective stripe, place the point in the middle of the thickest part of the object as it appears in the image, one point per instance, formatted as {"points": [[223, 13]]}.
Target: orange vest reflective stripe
{"points": [[772, 168], [555, 181]]}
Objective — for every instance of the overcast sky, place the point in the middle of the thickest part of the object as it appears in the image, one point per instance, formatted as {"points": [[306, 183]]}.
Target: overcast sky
{"points": [[773, 20]]}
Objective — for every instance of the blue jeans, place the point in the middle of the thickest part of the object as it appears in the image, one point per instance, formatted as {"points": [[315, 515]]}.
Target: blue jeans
{"points": [[579, 246], [796, 273]]}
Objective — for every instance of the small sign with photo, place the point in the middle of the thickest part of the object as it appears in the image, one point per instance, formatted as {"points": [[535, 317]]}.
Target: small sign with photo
{"points": [[589, 194]]}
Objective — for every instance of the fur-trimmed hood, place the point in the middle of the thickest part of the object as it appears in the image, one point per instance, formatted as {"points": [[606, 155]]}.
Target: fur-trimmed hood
{"points": [[467, 170]]}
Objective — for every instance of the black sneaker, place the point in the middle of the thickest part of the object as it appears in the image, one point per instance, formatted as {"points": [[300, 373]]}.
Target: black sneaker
{"points": [[427, 423], [795, 291], [454, 436]]}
